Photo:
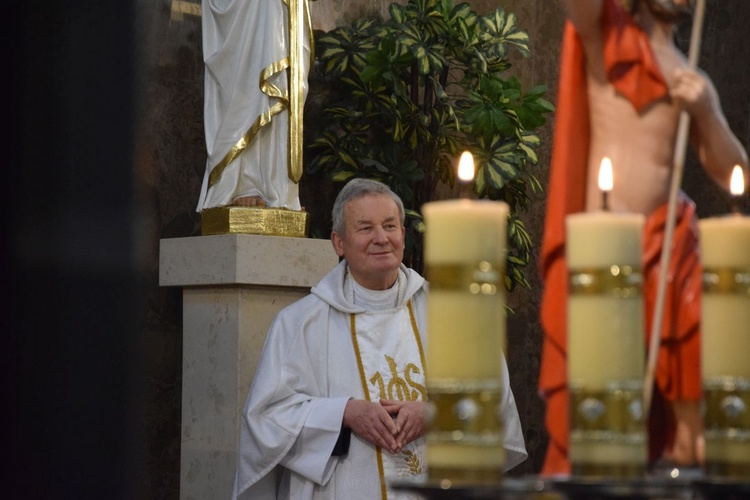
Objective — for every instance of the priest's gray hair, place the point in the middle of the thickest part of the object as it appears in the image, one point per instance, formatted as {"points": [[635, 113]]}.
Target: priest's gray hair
{"points": [[357, 188]]}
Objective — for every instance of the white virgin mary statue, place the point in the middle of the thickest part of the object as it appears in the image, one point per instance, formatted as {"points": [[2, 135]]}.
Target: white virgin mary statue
{"points": [[257, 57]]}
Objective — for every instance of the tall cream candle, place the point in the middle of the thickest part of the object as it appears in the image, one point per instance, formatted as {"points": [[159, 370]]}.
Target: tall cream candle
{"points": [[725, 329], [605, 343], [464, 248]]}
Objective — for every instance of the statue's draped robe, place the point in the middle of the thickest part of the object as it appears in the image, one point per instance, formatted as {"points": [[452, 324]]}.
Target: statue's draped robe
{"points": [[632, 69], [246, 54]]}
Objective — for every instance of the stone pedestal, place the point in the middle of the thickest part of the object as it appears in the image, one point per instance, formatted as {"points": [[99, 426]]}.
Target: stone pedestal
{"points": [[233, 286]]}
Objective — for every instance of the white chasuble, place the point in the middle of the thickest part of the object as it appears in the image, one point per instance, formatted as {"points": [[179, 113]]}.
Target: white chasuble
{"points": [[391, 363]]}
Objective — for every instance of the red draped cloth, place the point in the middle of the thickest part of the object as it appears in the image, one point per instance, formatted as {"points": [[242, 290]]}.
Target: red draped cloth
{"points": [[678, 375], [632, 69]]}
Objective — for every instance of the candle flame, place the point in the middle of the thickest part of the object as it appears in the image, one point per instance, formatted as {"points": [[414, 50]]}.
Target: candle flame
{"points": [[737, 182], [466, 167], [605, 175]]}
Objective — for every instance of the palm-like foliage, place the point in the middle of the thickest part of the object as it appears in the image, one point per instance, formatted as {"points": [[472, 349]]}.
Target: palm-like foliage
{"points": [[416, 90]]}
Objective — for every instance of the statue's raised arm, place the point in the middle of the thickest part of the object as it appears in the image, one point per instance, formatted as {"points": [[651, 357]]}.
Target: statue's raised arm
{"points": [[585, 16]]}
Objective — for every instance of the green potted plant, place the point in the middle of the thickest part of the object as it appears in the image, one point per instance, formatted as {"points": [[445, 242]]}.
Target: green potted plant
{"points": [[407, 95]]}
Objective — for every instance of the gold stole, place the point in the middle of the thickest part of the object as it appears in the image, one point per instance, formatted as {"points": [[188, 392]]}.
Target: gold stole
{"points": [[366, 390]]}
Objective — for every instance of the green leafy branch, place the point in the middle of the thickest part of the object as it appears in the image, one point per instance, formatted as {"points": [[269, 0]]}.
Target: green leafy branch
{"points": [[409, 94]]}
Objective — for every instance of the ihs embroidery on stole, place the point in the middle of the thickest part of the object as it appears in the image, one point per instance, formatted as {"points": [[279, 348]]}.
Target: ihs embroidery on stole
{"points": [[399, 387], [409, 462]]}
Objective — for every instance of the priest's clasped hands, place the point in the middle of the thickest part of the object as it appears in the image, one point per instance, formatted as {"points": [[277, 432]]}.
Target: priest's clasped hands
{"points": [[389, 424]]}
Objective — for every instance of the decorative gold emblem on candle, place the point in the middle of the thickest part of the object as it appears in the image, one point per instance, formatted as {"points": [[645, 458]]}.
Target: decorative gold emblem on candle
{"points": [[466, 411], [614, 413], [727, 426]]}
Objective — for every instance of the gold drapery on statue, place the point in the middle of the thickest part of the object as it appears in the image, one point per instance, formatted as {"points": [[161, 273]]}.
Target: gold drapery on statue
{"points": [[297, 15]]}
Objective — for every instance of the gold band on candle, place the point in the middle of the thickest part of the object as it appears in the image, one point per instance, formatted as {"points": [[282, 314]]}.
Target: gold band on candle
{"points": [[483, 278], [727, 426], [728, 280], [608, 432], [617, 280], [465, 411], [728, 406], [614, 413]]}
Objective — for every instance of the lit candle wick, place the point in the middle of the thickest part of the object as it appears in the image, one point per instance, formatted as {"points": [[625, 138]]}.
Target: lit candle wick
{"points": [[465, 173], [737, 188], [605, 181]]}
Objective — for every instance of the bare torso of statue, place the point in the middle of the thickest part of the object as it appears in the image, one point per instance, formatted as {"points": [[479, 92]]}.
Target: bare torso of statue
{"points": [[641, 145]]}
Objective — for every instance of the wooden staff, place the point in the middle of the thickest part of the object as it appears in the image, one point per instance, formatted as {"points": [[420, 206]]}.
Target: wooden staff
{"points": [[666, 249]]}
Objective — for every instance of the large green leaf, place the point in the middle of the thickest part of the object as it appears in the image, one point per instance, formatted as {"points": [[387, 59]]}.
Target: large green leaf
{"points": [[345, 47], [499, 31], [404, 97]]}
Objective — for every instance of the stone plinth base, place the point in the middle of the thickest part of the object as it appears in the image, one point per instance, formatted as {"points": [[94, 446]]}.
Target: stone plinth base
{"points": [[233, 286]]}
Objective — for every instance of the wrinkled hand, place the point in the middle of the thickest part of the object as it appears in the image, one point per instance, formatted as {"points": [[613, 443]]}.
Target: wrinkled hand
{"points": [[411, 419], [694, 91], [371, 422]]}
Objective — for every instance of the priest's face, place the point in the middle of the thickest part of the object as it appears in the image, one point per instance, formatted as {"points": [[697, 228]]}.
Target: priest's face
{"points": [[373, 240]]}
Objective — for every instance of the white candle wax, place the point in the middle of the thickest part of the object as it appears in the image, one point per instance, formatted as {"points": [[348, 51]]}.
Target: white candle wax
{"points": [[605, 331], [466, 331], [725, 317], [465, 230]]}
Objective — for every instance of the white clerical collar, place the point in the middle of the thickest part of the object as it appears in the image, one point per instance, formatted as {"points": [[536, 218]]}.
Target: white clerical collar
{"points": [[374, 300]]}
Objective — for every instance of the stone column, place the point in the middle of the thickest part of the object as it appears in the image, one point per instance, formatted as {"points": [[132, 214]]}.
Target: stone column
{"points": [[233, 286]]}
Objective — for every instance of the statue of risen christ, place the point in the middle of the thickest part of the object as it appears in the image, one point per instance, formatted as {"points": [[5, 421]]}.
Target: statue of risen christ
{"points": [[623, 86]]}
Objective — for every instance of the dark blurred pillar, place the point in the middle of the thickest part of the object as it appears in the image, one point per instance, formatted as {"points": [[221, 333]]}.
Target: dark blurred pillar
{"points": [[71, 267]]}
